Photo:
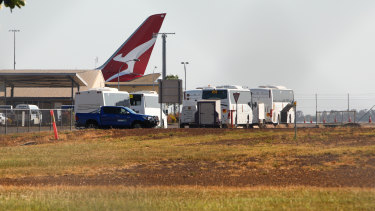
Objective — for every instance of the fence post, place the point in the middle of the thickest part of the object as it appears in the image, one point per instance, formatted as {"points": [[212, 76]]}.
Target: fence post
{"points": [[17, 116], [71, 119], [29, 116], [40, 120], [6, 121]]}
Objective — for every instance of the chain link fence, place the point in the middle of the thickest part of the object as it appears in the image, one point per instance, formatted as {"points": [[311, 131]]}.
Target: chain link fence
{"points": [[336, 117], [34, 120]]}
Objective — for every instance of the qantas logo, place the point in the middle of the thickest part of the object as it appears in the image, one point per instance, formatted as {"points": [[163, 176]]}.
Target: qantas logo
{"points": [[134, 54]]}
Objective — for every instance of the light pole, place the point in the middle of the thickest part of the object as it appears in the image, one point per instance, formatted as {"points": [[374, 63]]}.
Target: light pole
{"points": [[164, 59], [118, 75], [153, 79], [14, 50], [185, 63]]}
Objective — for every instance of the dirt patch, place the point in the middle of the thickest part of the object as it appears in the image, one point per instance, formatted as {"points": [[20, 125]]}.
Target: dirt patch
{"points": [[310, 160], [169, 173]]}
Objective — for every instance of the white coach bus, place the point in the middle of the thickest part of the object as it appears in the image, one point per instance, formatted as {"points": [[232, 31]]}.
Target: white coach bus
{"points": [[228, 104], [146, 102], [272, 105]]}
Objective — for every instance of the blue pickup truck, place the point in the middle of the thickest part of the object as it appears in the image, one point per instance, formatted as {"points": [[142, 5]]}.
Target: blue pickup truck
{"points": [[115, 116]]}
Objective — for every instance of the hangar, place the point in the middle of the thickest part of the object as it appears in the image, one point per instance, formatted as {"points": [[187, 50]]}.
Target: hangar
{"points": [[46, 88], [53, 88]]}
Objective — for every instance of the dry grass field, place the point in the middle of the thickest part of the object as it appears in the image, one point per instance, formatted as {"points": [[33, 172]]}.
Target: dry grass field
{"points": [[189, 169]]}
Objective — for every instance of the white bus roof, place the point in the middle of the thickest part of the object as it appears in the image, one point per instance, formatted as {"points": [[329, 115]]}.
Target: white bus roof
{"points": [[231, 87], [145, 92], [272, 87], [205, 87]]}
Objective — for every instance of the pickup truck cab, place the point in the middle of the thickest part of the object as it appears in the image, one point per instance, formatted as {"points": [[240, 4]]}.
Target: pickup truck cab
{"points": [[115, 116]]}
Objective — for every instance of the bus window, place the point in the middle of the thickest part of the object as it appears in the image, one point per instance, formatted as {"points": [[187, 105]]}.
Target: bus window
{"points": [[152, 102], [282, 95], [116, 99], [245, 97]]}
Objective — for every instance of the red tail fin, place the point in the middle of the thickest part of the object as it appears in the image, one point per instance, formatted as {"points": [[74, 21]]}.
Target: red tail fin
{"points": [[138, 46]]}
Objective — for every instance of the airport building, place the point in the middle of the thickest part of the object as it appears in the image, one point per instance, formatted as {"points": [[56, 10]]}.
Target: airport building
{"points": [[46, 88], [53, 88]]}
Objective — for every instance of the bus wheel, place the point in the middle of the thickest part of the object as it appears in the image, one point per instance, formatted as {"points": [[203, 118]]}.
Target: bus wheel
{"points": [[278, 121]]}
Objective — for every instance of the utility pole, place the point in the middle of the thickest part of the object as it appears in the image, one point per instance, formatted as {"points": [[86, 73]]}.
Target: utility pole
{"points": [[164, 37], [348, 109], [14, 45], [164, 71], [295, 119], [316, 109]]}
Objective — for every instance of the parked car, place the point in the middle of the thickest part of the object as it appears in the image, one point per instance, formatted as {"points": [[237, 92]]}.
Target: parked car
{"points": [[3, 119]]}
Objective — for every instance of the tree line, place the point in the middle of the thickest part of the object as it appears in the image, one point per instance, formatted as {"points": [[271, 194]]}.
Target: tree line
{"points": [[337, 116]]}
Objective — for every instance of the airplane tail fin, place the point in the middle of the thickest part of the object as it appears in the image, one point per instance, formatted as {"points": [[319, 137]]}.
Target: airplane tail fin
{"points": [[138, 46]]}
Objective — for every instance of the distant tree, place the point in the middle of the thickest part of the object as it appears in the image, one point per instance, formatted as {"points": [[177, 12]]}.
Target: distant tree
{"points": [[171, 77], [12, 4], [299, 116]]}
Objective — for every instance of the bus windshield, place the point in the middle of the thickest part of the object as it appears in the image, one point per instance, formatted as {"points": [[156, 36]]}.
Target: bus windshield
{"points": [[135, 99], [215, 94]]}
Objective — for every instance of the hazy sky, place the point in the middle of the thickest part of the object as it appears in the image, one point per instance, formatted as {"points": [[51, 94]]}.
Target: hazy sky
{"points": [[317, 46]]}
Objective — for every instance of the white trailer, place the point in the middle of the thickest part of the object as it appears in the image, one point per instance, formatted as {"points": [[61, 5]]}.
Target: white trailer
{"points": [[228, 104], [209, 113], [189, 106], [146, 102], [272, 105], [91, 100]]}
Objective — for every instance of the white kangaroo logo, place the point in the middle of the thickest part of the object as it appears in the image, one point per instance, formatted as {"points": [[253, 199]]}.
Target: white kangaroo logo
{"points": [[134, 54]]}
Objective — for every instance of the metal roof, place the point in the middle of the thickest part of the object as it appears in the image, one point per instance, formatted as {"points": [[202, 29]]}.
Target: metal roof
{"points": [[41, 78]]}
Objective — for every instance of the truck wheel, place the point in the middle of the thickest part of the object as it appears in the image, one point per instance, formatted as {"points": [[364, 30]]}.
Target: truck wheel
{"points": [[278, 121], [137, 125], [91, 124]]}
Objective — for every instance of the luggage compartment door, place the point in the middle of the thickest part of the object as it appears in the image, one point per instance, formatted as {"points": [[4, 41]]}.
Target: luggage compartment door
{"points": [[206, 113]]}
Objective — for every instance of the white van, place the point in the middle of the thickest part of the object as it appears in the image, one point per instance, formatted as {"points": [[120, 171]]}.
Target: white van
{"points": [[147, 102], [28, 112]]}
